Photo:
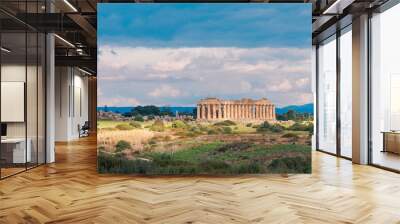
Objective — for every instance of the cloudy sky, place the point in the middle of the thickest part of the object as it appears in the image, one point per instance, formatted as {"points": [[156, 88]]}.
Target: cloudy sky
{"points": [[176, 54]]}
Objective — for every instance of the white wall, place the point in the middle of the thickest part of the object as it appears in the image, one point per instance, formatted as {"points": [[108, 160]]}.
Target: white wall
{"points": [[71, 103]]}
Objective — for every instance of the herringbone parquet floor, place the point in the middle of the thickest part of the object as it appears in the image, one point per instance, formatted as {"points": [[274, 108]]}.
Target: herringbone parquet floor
{"points": [[70, 191]]}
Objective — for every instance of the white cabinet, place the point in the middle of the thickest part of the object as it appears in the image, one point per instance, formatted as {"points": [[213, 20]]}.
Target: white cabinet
{"points": [[20, 155]]}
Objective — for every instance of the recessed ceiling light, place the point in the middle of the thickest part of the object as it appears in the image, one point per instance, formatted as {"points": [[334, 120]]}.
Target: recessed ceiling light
{"points": [[5, 50], [64, 40], [84, 71], [70, 5]]}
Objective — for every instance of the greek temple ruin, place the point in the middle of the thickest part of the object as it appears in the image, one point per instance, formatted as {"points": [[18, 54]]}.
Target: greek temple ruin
{"points": [[236, 110]]}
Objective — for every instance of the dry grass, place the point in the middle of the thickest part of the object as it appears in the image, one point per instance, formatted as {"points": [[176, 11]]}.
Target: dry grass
{"points": [[137, 138]]}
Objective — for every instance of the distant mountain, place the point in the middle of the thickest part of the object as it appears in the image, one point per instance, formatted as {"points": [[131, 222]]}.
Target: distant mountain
{"points": [[122, 110], [306, 108]]}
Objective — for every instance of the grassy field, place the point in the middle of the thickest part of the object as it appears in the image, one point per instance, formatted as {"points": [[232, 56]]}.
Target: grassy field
{"points": [[177, 147]]}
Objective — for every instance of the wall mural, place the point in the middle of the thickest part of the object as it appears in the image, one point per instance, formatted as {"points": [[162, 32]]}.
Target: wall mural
{"points": [[204, 89]]}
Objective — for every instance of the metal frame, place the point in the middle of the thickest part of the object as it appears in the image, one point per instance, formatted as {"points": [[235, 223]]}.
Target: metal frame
{"points": [[337, 34], [386, 6], [389, 4], [44, 74], [338, 98]]}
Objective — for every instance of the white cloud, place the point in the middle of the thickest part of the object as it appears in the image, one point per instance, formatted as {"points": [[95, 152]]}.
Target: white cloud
{"points": [[280, 86], [172, 76], [245, 86], [165, 91], [118, 101], [302, 82]]}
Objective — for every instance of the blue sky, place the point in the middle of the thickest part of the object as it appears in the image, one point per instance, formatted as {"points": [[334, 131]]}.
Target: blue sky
{"points": [[190, 25], [176, 54]]}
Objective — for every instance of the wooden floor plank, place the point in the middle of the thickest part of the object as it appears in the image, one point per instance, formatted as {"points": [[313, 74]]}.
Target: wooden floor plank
{"points": [[71, 191]]}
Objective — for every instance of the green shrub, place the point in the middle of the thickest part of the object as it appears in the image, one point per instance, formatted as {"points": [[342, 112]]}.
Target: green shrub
{"points": [[203, 128], [290, 165], [227, 130], [101, 148], [212, 132], [277, 128], [249, 168], [138, 118], [179, 124], [195, 129], [109, 129], [302, 127], [210, 165], [124, 127], [158, 125], [135, 124], [122, 145], [225, 123], [152, 142], [263, 127], [290, 135], [249, 125]]}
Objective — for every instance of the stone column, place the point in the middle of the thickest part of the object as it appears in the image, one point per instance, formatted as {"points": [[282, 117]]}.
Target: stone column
{"points": [[240, 112], [262, 111], [214, 111], [203, 111], [227, 110], [257, 112], [268, 112], [249, 111], [198, 112], [230, 111], [220, 111], [208, 111], [228, 115], [223, 113], [236, 111], [245, 111], [273, 112]]}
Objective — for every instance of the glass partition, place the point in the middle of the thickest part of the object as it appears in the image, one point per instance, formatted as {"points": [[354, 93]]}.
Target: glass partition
{"points": [[13, 94], [327, 95], [22, 88], [385, 89]]}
